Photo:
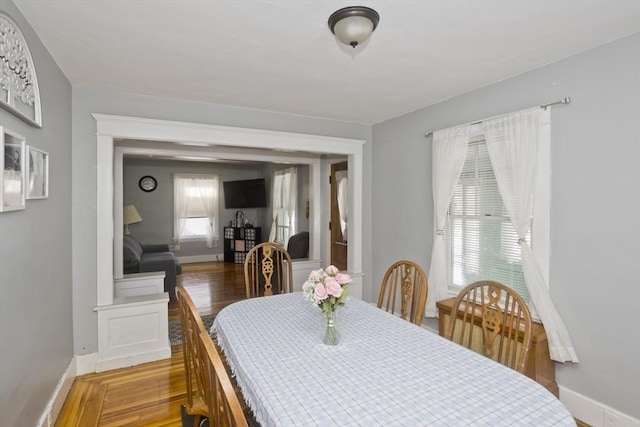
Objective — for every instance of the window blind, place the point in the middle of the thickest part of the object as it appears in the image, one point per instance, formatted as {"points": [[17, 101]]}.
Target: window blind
{"points": [[481, 243], [199, 195]]}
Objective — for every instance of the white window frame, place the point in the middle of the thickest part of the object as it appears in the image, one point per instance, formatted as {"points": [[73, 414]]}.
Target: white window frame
{"points": [[200, 237]]}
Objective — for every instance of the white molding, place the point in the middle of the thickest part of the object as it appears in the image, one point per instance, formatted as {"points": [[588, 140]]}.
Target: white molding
{"points": [[133, 330], [301, 268], [139, 284], [105, 206], [125, 361], [86, 363], [355, 288], [118, 214], [54, 406], [594, 413], [188, 132], [221, 142]]}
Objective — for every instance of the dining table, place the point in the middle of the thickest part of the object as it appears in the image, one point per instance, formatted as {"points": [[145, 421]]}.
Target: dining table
{"points": [[384, 371]]}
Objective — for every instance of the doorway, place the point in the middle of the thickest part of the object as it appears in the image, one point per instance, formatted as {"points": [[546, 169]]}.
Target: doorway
{"points": [[339, 214]]}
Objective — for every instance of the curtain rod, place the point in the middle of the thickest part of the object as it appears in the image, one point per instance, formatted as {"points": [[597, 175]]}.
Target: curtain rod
{"points": [[566, 100]]}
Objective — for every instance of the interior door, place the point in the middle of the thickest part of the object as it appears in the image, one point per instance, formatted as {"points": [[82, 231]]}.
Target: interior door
{"points": [[339, 215]]}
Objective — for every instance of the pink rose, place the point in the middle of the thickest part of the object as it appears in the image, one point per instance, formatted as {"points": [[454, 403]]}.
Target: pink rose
{"points": [[343, 279], [332, 270], [318, 275], [333, 287], [320, 292]]}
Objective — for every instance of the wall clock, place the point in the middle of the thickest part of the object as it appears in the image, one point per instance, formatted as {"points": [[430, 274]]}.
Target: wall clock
{"points": [[148, 183]]}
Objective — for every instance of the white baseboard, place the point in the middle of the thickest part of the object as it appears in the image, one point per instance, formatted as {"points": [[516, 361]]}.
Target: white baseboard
{"points": [[54, 406], [89, 363], [103, 365], [593, 412], [86, 363], [201, 258]]}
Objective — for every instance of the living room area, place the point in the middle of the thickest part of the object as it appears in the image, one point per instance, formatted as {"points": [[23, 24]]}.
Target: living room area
{"points": [[145, 312]]}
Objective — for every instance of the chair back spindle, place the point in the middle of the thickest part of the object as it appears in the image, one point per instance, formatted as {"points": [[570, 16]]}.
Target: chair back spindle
{"points": [[268, 270], [503, 317], [404, 285]]}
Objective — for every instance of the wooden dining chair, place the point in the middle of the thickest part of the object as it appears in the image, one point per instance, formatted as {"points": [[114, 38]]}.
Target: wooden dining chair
{"points": [[268, 270], [191, 326], [494, 320], [224, 406], [404, 286]]}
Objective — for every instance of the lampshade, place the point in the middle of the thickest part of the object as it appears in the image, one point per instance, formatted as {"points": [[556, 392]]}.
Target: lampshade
{"points": [[130, 216], [354, 24]]}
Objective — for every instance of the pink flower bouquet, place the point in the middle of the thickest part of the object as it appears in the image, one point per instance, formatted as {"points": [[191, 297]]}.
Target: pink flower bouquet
{"points": [[327, 289]]}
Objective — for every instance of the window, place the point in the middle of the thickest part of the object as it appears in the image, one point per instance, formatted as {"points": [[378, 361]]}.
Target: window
{"points": [[481, 243], [284, 201], [195, 208]]}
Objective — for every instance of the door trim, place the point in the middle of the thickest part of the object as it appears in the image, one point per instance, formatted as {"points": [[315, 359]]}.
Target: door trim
{"points": [[210, 137]]}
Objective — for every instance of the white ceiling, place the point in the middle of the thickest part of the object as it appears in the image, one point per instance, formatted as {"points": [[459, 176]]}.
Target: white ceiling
{"points": [[279, 55]]}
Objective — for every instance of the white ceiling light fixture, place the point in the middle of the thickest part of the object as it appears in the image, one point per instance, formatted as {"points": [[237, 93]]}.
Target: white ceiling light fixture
{"points": [[354, 24]]}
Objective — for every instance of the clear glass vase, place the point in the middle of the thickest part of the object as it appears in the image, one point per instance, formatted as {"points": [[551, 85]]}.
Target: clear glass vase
{"points": [[331, 335]]}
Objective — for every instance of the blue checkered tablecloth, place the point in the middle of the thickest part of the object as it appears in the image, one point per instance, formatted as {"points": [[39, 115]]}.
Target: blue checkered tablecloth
{"points": [[384, 372]]}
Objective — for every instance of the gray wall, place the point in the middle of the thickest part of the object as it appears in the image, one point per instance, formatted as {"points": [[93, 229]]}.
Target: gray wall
{"points": [[156, 208], [35, 256], [594, 264], [87, 100], [595, 203]]}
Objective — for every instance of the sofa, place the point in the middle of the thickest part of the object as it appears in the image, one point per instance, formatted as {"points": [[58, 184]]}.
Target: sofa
{"points": [[140, 258], [298, 246]]}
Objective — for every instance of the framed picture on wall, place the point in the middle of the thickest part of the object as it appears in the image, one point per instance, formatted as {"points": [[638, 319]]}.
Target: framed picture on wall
{"points": [[12, 164], [38, 177], [19, 93]]}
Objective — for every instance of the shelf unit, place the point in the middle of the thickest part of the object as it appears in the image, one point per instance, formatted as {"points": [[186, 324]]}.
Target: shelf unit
{"points": [[238, 241]]}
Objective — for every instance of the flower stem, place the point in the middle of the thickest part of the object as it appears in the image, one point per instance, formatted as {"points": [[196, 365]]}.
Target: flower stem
{"points": [[331, 334]]}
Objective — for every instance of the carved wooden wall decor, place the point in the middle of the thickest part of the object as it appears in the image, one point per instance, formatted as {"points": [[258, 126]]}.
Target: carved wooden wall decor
{"points": [[19, 93]]}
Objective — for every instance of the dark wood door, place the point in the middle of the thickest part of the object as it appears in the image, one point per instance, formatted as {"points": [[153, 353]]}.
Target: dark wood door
{"points": [[339, 244]]}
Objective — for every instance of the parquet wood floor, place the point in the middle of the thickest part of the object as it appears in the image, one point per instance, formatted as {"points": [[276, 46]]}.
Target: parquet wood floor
{"points": [[151, 394]]}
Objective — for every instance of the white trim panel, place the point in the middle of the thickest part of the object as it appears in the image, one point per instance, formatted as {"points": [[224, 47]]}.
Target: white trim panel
{"points": [[594, 413], [133, 330]]}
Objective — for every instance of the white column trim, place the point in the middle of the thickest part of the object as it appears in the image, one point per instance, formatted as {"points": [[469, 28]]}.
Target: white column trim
{"points": [[104, 214], [214, 141]]}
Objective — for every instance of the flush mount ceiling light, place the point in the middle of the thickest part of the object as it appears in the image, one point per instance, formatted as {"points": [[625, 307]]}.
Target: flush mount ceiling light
{"points": [[354, 24]]}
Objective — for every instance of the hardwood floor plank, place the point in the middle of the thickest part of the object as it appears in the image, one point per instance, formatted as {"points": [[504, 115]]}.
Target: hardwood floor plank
{"points": [[151, 394]]}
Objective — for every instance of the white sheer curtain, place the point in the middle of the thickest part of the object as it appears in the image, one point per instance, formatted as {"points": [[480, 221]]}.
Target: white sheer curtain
{"points": [[449, 152], [206, 189], [343, 200], [196, 197], [513, 146], [180, 206], [284, 201]]}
